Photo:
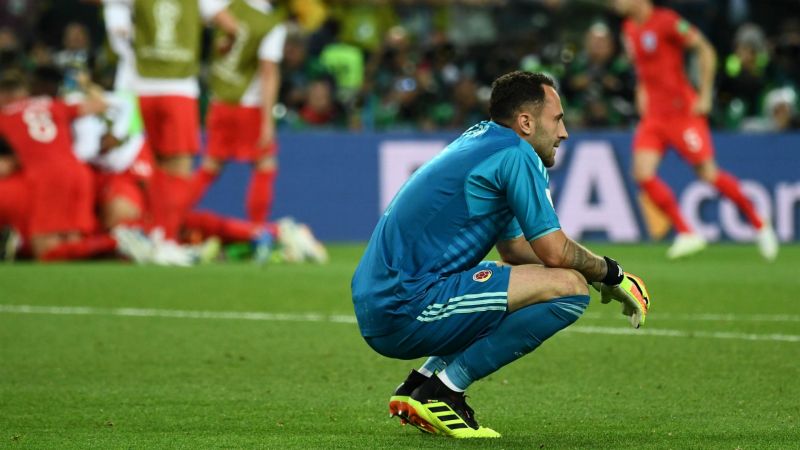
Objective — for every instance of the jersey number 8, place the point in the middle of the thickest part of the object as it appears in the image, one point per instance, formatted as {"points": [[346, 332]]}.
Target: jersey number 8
{"points": [[40, 124]]}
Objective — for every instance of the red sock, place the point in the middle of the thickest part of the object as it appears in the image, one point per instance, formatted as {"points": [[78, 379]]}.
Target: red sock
{"points": [[728, 186], [169, 201], [662, 196], [202, 179], [259, 195], [88, 247], [226, 228]]}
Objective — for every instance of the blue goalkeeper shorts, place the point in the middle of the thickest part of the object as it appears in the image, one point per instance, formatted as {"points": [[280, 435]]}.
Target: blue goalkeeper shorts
{"points": [[460, 310]]}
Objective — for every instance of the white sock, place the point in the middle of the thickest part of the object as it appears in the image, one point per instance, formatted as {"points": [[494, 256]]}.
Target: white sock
{"points": [[425, 371], [443, 376]]}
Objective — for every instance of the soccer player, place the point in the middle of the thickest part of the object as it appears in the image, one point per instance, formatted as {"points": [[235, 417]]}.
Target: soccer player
{"points": [[673, 114], [421, 289], [115, 147], [296, 240], [37, 129], [166, 38], [245, 76]]}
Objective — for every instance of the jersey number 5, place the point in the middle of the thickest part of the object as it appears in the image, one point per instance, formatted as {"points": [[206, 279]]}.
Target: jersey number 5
{"points": [[40, 125]]}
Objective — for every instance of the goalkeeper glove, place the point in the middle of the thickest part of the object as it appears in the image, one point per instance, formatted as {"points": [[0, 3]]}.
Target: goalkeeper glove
{"points": [[633, 295]]}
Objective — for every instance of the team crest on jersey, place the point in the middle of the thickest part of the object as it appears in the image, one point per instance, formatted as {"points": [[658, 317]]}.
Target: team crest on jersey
{"points": [[482, 276], [649, 41]]}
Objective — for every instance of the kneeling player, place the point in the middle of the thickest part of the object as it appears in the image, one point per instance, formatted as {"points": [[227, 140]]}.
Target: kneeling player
{"points": [[61, 221]]}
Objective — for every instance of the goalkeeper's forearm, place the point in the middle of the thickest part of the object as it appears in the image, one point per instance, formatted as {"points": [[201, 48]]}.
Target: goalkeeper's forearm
{"points": [[558, 250]]}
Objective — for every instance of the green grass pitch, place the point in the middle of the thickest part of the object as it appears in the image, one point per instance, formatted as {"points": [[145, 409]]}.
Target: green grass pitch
{"points": [[236, 356]]}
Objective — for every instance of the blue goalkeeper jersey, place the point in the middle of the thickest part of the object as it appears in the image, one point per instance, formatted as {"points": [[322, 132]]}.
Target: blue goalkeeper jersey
{"points": [[487, 185]]}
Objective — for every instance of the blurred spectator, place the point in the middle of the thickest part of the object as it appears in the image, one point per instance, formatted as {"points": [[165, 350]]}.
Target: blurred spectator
{"points": [[599, 82], [424, 20], [472, 22], [781, 106], [469, 107], [363, 23], [425, 63], [780, 109], [787, 52], [396, 60], [19, 16], [311, 14], [743, 78], [346, 63], [297, 71], [40, 54], [321, 108], [55, 15], [75, 55], [409, 104], [10, 51]]}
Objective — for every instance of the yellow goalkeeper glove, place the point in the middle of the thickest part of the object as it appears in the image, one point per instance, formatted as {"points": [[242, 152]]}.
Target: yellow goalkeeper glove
{"points": [[633, 295]]}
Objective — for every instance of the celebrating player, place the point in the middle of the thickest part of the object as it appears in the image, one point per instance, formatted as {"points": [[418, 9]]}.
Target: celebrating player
{"points": [[422, 290], [673, 114], [244, 84], [37, 129]]}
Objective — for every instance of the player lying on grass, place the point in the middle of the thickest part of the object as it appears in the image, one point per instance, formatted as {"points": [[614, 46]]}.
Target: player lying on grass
{"points": [[422, 290], [115, 148]]}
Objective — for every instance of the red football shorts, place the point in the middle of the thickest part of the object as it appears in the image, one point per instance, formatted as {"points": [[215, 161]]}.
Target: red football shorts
{"points": [[690, 136], [233, 132], [62, 201], [172, 124]]}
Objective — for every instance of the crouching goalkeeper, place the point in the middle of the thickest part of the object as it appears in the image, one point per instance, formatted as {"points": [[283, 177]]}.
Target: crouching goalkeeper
{"points": [[422, 290]]}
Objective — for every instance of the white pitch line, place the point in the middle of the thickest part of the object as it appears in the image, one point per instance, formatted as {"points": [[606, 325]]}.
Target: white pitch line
{"points": [[685, 334], [704, 317], [343, 318], [178, 314]]}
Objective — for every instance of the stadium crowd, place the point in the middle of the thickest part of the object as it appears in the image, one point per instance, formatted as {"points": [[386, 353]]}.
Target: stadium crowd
{"points": [[428, 64], [246, 67]]}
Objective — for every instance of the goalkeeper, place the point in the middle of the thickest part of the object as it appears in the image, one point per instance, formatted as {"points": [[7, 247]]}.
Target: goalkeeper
{"points": [[421, 289]]}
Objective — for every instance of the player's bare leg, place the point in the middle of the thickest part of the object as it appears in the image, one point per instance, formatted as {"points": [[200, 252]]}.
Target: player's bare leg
{"points": [[119, 210], [645, 173], [532, 284], [729, 187], [179, 165], [42, 243]]}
